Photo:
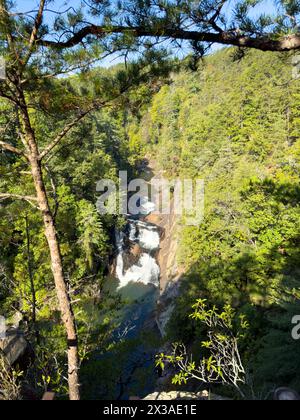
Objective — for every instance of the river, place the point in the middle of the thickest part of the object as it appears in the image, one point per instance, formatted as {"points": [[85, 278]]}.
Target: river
{"points": [[138, 278]]}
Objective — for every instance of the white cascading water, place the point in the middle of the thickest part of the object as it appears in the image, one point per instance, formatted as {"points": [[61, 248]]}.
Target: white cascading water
{"points": [[145, 234], [146, 271]]}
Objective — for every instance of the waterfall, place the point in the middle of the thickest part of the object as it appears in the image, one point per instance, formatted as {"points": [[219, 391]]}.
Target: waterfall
{"points": [[147, 206], [146, 271], [146, 235], [138, 275]]}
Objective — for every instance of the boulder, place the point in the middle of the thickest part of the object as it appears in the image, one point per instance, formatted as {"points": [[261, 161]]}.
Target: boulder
{"points": [[13, 346]]}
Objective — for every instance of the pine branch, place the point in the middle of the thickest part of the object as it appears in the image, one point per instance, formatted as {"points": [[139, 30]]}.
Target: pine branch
{"points": [[34, 34], [37, 23], [265, 42]]}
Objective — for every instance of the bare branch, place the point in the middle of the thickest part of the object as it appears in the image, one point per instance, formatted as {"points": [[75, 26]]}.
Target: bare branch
{"points": [[28, 198], [35, 30], [215, 16], [37, 24], [4, 196], [12, 149]]}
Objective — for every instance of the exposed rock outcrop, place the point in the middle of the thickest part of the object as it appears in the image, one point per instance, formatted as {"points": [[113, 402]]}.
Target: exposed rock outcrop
{"points": [[13, 346], [170, 270]]}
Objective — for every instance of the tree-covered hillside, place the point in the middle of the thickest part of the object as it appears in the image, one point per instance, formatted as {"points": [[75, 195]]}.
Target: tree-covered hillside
{"points": [[236, 123]]}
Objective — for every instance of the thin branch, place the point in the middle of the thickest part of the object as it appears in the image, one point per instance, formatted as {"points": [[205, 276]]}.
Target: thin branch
{"points": [[215, 16], [28, 198], [12, 149], [34, 34], [37, 24]]}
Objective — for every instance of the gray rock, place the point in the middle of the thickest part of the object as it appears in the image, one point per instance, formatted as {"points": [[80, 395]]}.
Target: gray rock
{"points": [[13, 346]]}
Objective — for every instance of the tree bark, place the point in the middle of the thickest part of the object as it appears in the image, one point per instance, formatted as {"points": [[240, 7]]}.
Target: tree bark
{"points": [[67, 314], [31, 153], [58, 274], [264, 42]]}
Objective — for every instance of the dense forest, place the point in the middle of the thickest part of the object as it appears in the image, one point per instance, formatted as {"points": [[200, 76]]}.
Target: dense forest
{"points": [[235, 124], [230, 117]]}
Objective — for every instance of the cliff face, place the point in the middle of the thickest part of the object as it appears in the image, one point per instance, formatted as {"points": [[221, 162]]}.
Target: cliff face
{"points": [[170, 271], [169, 225], [167, 256]]}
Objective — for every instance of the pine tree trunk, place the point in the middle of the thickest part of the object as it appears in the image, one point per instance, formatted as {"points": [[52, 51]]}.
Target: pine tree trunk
{"points": [[32, 153], [67, 314], [60, 283]]}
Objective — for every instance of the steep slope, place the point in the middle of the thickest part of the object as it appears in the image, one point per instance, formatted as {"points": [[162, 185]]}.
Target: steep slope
{"points": [[235, 124]]}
